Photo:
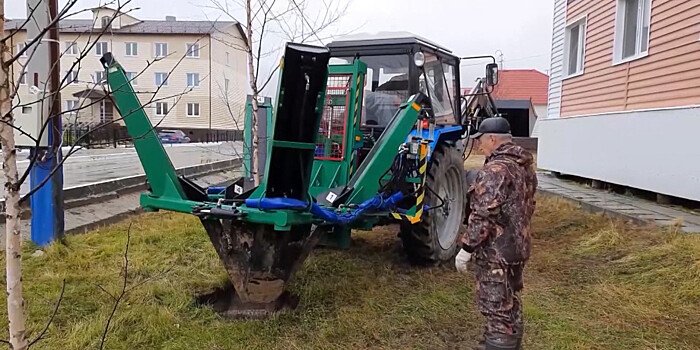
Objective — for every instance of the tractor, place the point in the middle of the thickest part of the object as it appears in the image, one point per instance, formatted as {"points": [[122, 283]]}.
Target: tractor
{"points": [[365, 131]]}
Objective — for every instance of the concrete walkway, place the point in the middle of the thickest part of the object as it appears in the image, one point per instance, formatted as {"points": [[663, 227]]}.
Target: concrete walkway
{"points": [[89, 166], [633, 209], [84, 218]]}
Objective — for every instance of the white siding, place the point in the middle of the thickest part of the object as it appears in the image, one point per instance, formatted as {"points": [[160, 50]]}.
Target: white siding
{"points": [[627, 148], [557, 63]]}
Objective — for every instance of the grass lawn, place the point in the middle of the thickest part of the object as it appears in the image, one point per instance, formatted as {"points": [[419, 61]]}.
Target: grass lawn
{"points": [[592, 283]]}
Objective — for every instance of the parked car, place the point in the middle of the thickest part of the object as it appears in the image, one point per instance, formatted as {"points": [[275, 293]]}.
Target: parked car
{"points": [[173, 136]]}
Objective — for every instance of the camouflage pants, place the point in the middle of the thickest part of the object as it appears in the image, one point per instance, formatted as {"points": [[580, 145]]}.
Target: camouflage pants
{"points": [[498, 289]]}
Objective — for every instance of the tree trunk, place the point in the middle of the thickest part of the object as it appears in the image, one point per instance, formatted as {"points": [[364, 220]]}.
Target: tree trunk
{"points": [[254, 87], [13, 238]]}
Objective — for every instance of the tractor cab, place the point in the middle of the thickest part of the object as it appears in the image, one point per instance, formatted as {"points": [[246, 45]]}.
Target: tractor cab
{"points": [[400, 65]]}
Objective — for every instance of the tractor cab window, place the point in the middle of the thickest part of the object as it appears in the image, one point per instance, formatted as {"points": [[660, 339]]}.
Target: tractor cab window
{"points": [[438, 83], [386, 87]]}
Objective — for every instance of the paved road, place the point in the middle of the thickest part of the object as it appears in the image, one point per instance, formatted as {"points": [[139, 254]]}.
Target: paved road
{"points": [[96, 165]]}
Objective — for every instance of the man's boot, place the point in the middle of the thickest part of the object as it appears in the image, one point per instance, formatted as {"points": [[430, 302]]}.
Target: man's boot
{"points": [[519, 332], [503, 342]]}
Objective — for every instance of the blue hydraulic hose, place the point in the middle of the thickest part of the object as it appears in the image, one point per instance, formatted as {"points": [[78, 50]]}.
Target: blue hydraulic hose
{"points": [[376, 203]]}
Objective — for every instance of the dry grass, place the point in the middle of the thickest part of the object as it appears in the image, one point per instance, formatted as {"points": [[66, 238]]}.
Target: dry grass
{"points": [[592, 283]]}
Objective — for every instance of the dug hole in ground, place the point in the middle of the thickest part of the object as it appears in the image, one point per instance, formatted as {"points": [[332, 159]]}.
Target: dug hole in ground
{"points": [[592, 283]]}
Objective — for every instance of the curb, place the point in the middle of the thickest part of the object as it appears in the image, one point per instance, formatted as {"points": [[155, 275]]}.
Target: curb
{"points": [[121, 216], [99, 191]]}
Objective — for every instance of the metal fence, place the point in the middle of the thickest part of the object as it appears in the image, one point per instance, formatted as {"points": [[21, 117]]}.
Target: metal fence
{"points": [[95, 135], [112, 135]]}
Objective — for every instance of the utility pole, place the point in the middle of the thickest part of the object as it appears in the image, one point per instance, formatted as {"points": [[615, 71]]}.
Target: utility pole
{"points": [[44, 72], [499, 53]]}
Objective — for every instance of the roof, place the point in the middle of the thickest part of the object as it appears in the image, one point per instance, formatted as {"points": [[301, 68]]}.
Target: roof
{"points": [[522, 84], [92, 94], [142, 27], [384, 38]]}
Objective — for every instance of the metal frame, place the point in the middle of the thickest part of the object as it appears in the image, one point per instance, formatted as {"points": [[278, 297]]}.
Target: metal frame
{"points": [[403, 46], [330, 173]]}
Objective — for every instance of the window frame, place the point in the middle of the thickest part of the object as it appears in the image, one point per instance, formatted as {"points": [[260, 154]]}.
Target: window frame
{"points": [[155, 50], [187, 110], [21, 47], [165, 81], [74, 109], [134, 81], [618, 44], [189, 53], [228, 59], [100, 44], [582, 24], [162, 113], [106, 22], [227, 82], [22, 78], [195, 80], [135, 46], [73, 80], [72, 45], [102, 74]]}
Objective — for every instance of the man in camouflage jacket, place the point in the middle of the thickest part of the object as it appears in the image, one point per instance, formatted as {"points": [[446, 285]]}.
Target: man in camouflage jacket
{"points": [[497, 237]]}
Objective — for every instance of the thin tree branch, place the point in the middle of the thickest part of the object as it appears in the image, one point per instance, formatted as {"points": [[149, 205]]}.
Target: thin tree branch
{"points": [[123, 292], [18, 29], [108, 293], [53, 315]]}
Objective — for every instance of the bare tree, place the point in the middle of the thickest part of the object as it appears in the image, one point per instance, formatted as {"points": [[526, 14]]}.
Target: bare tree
{"points": [[13, 240], [268, 23], [11, 101]]}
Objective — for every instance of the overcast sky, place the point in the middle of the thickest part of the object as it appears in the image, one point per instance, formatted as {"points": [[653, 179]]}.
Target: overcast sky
{"points": [[520, 29]]}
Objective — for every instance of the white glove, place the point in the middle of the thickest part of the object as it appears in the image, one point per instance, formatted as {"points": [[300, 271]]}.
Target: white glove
{"points": [[462, 261]]}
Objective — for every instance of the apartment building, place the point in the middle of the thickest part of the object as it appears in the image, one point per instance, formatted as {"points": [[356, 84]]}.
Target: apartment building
{"points": [[624, 94], [190, 75]]}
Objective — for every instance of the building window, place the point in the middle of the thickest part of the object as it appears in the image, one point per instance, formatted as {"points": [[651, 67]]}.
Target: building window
{"points": [[161, 109], [226, 82], [193, 50], [161, 49], [101, 48], [192, 79], [71, 48], [99, 77], [132, 49], [21, 47], [228, 59], [72, 77], [575, 40], [106, 22], [632, 29], [72, 106], [131, 77], [23, 78], [161, 79], [193, 109]]}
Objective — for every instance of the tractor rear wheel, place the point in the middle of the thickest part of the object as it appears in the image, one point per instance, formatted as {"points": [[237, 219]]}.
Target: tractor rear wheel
{"points": [[434, 240]]}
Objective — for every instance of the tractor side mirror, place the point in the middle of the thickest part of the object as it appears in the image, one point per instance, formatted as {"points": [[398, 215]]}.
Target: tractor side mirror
{"points": [[491, 74]]}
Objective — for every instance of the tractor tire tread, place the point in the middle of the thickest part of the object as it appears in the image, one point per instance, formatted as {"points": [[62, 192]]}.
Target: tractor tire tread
{"points": [[421, 247]]}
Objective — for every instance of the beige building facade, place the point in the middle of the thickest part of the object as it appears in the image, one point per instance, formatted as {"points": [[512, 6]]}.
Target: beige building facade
{"points": [[190, 75]]}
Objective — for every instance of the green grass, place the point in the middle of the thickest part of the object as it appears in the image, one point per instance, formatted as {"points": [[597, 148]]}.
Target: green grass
{"points": [[592, 283]]}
